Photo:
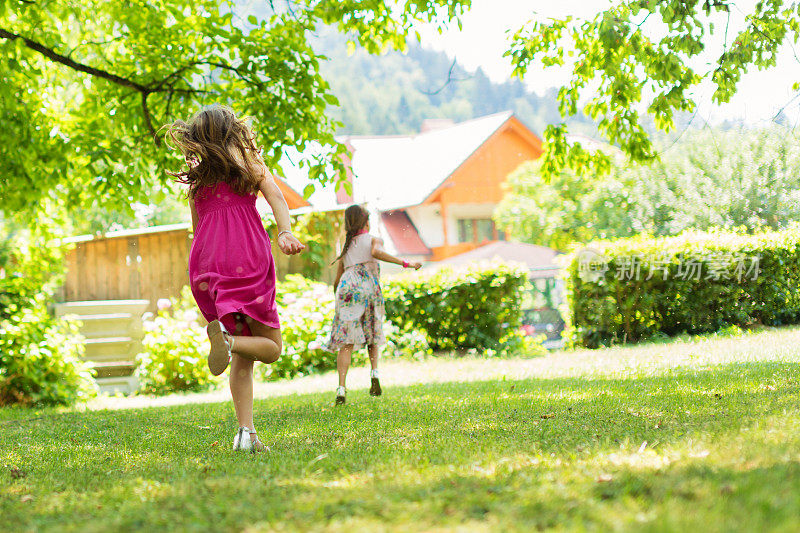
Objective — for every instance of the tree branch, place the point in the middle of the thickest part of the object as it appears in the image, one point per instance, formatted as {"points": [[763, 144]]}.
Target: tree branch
{"points": [[148, 121], [80, 67], [450, 79], [144, 90]]}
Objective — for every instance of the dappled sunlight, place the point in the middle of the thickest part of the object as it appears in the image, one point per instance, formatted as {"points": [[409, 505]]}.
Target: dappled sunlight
{"points": [[518, 453], [624, 362]]}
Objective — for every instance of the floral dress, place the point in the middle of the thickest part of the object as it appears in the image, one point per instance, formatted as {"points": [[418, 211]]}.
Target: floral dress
{"points": [[359, 301]]}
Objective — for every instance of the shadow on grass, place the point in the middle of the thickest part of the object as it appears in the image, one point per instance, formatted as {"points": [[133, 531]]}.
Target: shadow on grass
{"points": [[657, 452]]}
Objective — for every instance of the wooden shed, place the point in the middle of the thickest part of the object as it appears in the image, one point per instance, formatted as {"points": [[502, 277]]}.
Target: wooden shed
{"points": [[145, 264]]}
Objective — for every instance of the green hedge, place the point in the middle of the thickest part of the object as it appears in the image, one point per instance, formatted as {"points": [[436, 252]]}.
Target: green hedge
{"points": [[478, 307], [175, 343], [698, 282], [306, 309]]}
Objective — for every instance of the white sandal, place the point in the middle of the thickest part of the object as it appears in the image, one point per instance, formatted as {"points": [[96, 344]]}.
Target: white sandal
{"points": [[220, 354], [244, 441]]}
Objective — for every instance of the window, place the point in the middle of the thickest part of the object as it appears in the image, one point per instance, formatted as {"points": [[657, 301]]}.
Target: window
{"points": [[478, 230], [485, 230], [466, 230]]}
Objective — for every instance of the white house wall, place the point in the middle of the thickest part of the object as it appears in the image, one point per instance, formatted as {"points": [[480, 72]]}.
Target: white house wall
{"points": [[428, 220]]}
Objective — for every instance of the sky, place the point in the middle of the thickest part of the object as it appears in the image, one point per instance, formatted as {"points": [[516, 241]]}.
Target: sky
{"points": [[484, 37]]}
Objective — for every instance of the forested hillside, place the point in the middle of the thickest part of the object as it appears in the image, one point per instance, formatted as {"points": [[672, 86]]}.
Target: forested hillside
{"points": [[394, 92]]}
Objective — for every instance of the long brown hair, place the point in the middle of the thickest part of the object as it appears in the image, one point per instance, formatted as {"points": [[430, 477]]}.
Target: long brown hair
{"points": [[218, 147], [355, 219]]}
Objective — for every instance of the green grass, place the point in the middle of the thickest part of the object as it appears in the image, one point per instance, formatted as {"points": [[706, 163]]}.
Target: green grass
{"points": [[710, 440]]}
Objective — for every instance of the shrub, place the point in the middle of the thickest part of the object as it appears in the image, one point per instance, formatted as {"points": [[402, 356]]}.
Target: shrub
{"points": [[306, 309], [408, 344], [175, 348], [40, 356], [176, 345], [478, 307], [692, 283]]}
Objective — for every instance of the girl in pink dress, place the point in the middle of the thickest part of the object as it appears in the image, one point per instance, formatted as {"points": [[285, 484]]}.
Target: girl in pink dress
{"points": [[359, 301], [231, 269]]}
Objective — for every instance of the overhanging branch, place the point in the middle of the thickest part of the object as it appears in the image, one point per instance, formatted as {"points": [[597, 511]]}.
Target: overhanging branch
{"points": [[80, 67], [148, 121]]}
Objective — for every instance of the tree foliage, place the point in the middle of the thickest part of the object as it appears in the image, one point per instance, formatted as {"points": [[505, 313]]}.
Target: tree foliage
{"points": [[636, 58], [708, 179], [86, 85]]}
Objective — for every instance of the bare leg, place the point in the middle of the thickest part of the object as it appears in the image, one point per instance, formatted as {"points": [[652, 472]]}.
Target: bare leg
{"points": [[374, 354], [241, 383], [264, 345], [343, 362]]}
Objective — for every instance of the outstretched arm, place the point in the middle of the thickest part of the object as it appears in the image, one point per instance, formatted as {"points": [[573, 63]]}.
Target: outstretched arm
{"points": [[287, 242], [380, 254]]}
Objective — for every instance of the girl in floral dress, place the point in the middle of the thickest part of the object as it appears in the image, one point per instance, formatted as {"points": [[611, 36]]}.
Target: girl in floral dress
{"points": [[359, 301]]}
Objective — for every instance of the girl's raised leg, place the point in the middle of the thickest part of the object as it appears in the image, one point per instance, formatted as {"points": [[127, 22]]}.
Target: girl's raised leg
{"points": [[264, 345]]}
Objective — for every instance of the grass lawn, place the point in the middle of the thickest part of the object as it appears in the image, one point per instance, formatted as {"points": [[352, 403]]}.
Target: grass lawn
{"points": [[664, 437]]}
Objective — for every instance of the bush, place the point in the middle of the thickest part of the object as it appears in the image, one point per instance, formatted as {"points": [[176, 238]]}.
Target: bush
{"points": [[176, 345], [478, 307], [40, 356], [410, 344], [175, 349], [306, 308], [698, 282]]}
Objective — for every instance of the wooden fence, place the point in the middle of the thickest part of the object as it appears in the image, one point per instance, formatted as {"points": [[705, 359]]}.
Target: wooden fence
{"points": [[148, 264]]}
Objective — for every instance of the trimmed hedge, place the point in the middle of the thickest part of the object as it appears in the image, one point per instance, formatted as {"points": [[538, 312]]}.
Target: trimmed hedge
{"points": [[306, 308], [693, 283], [478, 307]]}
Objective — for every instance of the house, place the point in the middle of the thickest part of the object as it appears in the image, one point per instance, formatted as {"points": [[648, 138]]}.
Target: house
{"points": [[431, 194]]}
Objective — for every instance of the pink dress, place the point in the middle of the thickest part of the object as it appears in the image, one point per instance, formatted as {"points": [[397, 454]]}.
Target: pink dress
{"points": [[231, 269]]}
